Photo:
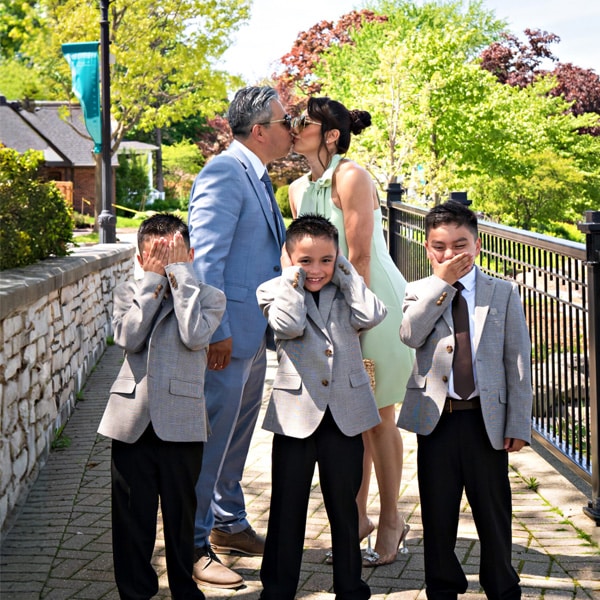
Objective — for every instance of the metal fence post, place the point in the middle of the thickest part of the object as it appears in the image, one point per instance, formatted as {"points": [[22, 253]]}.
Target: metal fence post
{"points": [[394, 194], [591, 228]]}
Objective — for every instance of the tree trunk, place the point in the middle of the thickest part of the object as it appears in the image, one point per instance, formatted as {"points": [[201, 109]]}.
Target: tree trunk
{"points": [[159, 163]]}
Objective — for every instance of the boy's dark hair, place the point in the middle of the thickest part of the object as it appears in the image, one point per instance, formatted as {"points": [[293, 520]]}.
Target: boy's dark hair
{"points": [[160, 225], [311, 225], [451, 213]]}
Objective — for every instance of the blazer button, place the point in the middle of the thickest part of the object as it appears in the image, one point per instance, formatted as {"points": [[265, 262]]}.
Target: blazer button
{"points": [[325, 382], [277, 268], [329, 352], [444, 379], [449, 349], [439, 302]]}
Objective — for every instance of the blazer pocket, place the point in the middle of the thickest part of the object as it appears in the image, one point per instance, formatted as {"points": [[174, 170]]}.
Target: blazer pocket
{"points": [[358, 378], [191, 389], [236, 293], [123, 386], [287, 381]]}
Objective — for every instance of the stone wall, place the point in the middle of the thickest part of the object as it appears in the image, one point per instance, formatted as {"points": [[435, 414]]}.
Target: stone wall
{"points": [[55, 317]]}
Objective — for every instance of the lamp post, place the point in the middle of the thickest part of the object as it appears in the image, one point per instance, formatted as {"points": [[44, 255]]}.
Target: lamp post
{"points": [[106, 219]]}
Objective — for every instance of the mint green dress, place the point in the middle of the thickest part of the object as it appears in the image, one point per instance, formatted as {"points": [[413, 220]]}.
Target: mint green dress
{"points": [[393, 360]]}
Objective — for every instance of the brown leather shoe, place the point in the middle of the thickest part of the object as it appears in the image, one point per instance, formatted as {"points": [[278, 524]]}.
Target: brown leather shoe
{"points": [[246, 542], [209, 571]]}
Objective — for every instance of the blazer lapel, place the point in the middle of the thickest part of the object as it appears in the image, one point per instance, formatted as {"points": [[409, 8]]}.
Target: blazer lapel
{"points": [[261, 193], [484, 290], [320, 314], [326, 301]]}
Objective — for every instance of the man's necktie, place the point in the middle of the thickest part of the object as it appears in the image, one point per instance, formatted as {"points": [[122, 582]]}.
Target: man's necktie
{"points": [[462, 364], [269, 187]]}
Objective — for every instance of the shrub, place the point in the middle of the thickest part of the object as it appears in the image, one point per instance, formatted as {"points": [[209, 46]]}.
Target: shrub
{"points": [[35, 220], [283, 201]]}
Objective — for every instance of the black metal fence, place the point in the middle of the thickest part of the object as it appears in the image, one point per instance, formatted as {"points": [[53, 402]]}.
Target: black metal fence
{"points": [[553, 283]]}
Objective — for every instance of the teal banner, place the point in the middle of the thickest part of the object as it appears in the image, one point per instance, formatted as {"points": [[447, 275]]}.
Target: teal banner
{"points": [[83, 60]]}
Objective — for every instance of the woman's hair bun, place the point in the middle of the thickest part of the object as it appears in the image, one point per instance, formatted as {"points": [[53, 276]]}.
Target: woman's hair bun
{"points": [[359, 120]]}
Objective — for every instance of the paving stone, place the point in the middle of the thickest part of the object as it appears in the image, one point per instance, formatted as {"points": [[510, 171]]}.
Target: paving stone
{"points": [[59, 547]]}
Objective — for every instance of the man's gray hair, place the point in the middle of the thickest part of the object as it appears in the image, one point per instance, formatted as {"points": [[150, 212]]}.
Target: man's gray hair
{"points": [[249, 106]]}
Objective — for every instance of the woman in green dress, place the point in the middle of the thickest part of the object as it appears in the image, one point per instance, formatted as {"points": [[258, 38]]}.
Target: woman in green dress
{"points": [[344, 192]]}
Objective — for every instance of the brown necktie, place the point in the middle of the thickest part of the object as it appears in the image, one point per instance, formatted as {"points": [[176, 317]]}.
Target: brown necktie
{"points": [[462, 364]]}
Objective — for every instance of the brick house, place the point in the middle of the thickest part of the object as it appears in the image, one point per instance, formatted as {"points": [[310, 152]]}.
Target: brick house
{"points": [[58, 130]]}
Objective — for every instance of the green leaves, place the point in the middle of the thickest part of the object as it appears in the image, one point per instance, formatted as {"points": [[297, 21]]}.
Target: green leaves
{"points": [[164, 55], [35, 220], [443, 123]]}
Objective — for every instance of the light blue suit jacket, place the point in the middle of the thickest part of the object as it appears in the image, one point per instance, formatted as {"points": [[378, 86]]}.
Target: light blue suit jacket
{"points": [[318, 350], [233, 230], [502, 356]]}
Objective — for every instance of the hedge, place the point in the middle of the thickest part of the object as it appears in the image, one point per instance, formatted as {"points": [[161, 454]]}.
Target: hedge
{"points": [[35, 220]]}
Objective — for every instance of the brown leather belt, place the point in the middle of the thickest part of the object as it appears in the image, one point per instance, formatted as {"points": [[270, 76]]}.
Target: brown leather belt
{"points": [[453, 404]]}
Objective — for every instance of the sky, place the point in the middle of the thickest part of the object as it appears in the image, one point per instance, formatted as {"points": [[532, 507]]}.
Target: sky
{"points": [[274, 26]]}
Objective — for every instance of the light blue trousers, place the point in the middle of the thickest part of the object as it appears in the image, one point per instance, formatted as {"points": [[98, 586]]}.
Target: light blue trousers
{"points": [[233, 399]]}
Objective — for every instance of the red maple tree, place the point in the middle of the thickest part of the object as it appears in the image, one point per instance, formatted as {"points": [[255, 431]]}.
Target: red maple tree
{"points": [[518, 63]]}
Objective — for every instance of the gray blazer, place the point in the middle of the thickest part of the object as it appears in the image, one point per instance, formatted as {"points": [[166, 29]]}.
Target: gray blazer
{"points": [[165, 336], [502, 356], [318, 349]]}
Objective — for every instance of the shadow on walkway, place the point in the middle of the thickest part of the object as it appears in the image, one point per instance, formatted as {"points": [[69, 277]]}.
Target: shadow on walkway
{"points": [[59, 547]]}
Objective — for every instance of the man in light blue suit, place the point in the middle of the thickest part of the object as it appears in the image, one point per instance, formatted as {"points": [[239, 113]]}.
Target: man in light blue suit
{"points": [[237, 233]]}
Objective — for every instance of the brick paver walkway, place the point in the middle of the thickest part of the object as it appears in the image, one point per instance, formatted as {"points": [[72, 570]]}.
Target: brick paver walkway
{"points": [[59, 547]]}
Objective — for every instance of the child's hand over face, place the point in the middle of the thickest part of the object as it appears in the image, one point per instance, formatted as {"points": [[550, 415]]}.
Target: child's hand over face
{"points": [[454, 268], [178, 251], [157, 257]]}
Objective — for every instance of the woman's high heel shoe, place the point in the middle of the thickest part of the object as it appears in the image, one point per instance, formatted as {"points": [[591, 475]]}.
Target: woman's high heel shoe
{"points": [[369, 550], [371, 558]]}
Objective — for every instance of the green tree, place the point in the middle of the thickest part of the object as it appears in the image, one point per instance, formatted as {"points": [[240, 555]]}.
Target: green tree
{"points": [[181, 163], [531, 164], [19, 20], [414, 74], [164, 55], [441, 122], [131, 183]]}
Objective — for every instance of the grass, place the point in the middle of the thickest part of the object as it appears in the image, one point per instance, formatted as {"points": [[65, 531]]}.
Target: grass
{"points": [[60, 441], [94, 238]]}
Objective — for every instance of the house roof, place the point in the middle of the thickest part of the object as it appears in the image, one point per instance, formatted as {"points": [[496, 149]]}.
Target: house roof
{"points": [[18, 134], [55, 128], [133, 146]]}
